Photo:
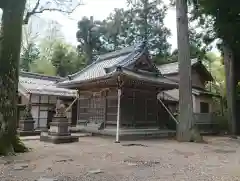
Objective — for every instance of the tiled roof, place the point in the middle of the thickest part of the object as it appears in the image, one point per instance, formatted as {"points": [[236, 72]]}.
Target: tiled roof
{"points": [[174, 94], [97, 69], [171, 68], [154, 79], [106, 64], [41, 84]]}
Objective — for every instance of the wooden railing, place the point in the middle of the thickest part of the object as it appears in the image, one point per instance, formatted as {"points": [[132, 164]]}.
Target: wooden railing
{"points": [[203, 118], [207, 122]]}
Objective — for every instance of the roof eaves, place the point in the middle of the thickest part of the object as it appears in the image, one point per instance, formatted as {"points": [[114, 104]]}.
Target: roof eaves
{"points": [[39, 76], [209, 75], [100, 58], [66, 84], [70, 77], [151, 78]]}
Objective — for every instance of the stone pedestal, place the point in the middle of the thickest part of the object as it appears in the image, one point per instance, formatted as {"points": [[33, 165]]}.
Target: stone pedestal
{"points": [[26, 128], [44, 134], [59, 131], [26, 124]]}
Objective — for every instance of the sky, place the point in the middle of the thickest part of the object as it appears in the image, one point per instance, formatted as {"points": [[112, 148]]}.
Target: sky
{"points": [[100, 9]]}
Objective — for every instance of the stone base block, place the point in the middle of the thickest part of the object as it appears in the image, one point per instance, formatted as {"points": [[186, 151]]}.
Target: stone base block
{"points": [[26, 125], [59, 139], [28, 133], [44, 135]]}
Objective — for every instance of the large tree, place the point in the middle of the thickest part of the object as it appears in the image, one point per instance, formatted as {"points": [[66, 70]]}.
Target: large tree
{"points": [[89, 37], [29, 49], [29, 55], [123, 27], [11, 32], [10, 43], [148, 24], [43, 66], [35, 7], [186, 130], [118, 30], [220, 19], [65, 59]]}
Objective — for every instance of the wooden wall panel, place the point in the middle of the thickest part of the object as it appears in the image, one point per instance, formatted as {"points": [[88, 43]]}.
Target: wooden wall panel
{"points": [[139, 108], [111, 107]]}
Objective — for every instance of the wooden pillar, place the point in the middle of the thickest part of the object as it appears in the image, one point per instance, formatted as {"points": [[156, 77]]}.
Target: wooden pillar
{"points": [[105, 107], [78, 107], [39, 107], [118, 114], [119, 93], [135, 110]]}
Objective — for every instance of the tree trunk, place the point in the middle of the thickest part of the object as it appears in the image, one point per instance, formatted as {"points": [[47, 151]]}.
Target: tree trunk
{"points": [[146, 12], [185, 130], [237, 75], [230, 88], [11, 32]]}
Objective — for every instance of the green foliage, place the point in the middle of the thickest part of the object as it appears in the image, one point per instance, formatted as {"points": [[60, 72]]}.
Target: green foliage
{"points": [[142, 20], [218, 73], [117, 30], [147, 22], [220, 19], [66, 60], [29, 55], [43, 66], [57, 58], [88, 35]]}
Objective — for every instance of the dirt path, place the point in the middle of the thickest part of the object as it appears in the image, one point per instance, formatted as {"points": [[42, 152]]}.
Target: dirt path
{"points": [[99, 159]]}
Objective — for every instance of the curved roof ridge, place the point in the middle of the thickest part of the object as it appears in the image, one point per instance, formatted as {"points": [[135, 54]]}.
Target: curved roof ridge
{"points": [[126, 50]]}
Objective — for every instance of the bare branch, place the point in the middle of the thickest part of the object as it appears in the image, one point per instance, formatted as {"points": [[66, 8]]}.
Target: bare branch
{"points": [[36, 6], [42, 10]]}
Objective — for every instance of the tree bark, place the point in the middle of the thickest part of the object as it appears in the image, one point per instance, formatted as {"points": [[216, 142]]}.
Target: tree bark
{"points": [[231, 87], [185, 130], [237, 75], [11, 32]]}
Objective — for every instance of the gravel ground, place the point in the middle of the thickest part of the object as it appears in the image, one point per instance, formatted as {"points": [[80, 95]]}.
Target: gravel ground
{"points": [[100, 159]]}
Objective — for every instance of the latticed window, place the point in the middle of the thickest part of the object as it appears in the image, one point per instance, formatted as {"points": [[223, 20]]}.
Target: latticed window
{"points": [[97, 108]]}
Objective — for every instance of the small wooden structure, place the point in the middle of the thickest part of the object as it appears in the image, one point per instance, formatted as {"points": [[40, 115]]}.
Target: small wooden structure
{"points": [[118, 93], [204, 106], [42, 93]]}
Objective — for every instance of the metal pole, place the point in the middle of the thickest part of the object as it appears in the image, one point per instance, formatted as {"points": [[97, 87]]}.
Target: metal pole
{"points": [[118, 115]]}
